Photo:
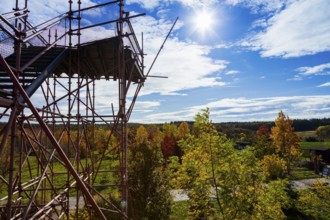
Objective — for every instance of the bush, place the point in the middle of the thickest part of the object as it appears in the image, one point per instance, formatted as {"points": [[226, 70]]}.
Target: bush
{"points": [[273, 166]]}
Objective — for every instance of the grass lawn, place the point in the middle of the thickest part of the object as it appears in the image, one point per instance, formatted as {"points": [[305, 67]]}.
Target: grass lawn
{"points": [[59, 177], [298, 173], [306, 145]]}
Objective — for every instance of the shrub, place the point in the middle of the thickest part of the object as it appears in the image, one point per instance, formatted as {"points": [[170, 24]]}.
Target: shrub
{"points": [[273, 166]]}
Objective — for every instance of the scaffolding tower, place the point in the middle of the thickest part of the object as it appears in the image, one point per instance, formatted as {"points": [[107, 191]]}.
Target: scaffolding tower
{"points": [[63, 151]]}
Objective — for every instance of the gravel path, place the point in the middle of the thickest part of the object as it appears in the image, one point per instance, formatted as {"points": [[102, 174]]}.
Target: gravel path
{"points": [[181, 195], [306, 183]]}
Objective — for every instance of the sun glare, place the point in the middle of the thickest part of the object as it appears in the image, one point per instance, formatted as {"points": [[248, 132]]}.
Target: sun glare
{"points": [[203, 22]]}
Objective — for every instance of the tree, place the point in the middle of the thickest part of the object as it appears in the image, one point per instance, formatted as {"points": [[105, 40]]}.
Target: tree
{"points": [[149, 195], [286, 142], [272, 199], [323, 132], [170, 130], [141, 135], [211, 162], [168, 144], [314, 202], [183, 130], [194, 175], [263, 145], [263, 131], [273, 166]]}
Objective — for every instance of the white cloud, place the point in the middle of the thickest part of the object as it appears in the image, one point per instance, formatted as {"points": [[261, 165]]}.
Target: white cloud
{"points": [[197, 3], [147, 4], [152, 4], [325, 84], [258, 109], [223, 46], [296, 78], [186, 64], [41, 11], [259, 5], [147, 104], [232, 72], [302, 28], [321, 69]]}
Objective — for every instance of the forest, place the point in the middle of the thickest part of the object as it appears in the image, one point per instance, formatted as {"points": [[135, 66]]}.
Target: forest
{"points": [[220, 181]]}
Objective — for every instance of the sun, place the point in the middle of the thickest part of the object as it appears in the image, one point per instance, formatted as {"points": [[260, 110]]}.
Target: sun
{"points": [[203, 22]]}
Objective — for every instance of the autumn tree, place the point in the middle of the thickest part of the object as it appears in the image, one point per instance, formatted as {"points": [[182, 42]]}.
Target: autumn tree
{"points": [[149, 195], [286, 142], [211, 162], [169, 143], [263, 131], [263, 145], [183, 130], [273, 166]]}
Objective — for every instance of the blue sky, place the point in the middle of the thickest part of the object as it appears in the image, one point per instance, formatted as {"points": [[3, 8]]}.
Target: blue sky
{"points": [[246, 62]]}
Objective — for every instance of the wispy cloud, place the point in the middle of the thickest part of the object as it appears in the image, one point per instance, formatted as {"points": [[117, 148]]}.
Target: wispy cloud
{"points": [[197, 3], [147, 104], [323, 69], [325, 84], [147, 4], [41, 11], [152, 4], [296, 78], [232, 72], [301, 28], [259, 5], [258, 109]]}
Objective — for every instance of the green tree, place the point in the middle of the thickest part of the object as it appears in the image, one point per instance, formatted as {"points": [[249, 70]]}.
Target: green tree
{"points": [[314, 202], [194, 175], [286, 142], [149, 195], [211, 164], [323, 132], [271, 200], [170, 130]]}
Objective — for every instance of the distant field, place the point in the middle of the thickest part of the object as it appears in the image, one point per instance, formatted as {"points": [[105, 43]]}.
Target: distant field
{"points": [[305, 145], [304, 134]]}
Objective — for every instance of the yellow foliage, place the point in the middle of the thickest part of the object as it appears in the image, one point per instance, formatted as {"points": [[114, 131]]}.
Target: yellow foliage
{"points": [[273, 166]]}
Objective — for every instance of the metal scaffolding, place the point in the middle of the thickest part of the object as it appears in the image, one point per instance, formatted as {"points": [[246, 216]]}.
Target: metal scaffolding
{"points": [[63, 151]]}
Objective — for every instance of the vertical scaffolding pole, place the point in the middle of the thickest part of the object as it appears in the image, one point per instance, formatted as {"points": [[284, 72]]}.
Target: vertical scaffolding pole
{"points": [[69, 107], [122, 112]]}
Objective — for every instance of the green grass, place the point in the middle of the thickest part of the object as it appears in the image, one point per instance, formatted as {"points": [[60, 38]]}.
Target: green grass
{"points": [[306, 145], [301, 172], [59, 176], [299, 175]]}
